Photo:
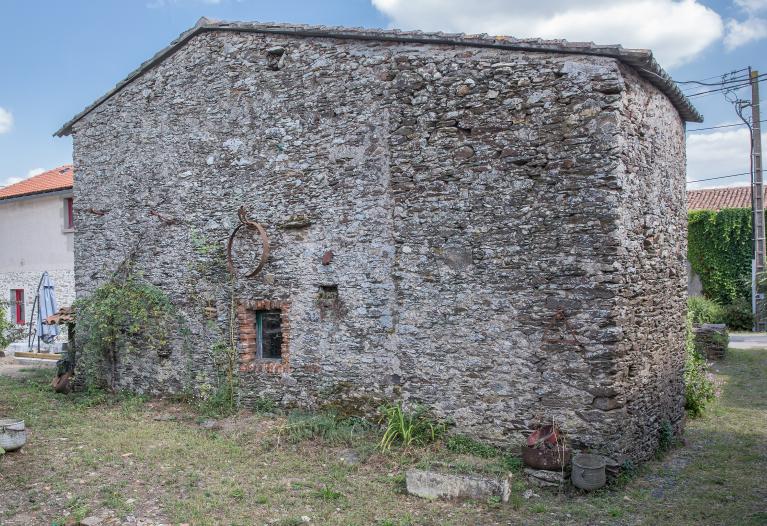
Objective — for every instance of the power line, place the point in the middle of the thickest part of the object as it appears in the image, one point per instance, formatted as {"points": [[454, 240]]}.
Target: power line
{"points": [[722, 82], [722, 126], [709, 78], [743, 84], [720, 177]]}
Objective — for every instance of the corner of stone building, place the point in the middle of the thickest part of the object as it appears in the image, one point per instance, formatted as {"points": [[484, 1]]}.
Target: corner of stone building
{"points": [[651, 230]]}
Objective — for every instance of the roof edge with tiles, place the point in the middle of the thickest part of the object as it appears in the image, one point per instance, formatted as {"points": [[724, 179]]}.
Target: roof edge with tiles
{"points": [[641, 60], [721, 198], [54, 180]]}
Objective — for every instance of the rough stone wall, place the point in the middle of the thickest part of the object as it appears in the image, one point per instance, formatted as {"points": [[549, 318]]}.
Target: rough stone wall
{"points": [[467, 196], [651, 297]]}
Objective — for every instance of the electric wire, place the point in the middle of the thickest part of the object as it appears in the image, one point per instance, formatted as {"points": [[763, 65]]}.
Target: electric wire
{"points": [[722, 126], [720, 177]]}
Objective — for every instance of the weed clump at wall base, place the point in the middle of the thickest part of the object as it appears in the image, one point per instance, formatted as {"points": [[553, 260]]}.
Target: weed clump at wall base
{"points": [[326, 426], [464, 445], [408, 428]]}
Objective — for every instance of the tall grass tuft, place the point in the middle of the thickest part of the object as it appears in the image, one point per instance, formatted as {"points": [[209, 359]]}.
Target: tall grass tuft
{"points": [[408, 428], [327, 426]]}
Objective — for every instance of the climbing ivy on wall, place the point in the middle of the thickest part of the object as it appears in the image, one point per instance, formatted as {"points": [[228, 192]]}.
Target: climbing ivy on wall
{"points": [[719, 251], [121, 314]]}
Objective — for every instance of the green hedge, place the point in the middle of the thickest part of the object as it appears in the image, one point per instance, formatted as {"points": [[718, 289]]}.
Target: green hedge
{"points": [[719, 251]]}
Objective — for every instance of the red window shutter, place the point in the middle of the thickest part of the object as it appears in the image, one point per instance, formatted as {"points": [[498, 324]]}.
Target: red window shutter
{"points": [[70, 213], [19, 306]]}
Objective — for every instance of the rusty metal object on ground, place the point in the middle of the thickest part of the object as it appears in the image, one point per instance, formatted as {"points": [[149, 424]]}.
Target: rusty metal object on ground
{"points": [[546, 458], [249, 225]]}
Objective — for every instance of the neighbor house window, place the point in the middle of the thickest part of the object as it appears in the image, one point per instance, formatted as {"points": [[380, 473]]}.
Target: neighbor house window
{"points": [[269, 334], [69, 214], [17, 306]]}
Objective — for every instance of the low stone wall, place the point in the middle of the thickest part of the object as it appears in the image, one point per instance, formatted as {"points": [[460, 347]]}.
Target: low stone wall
{"points": [[711, 340]]}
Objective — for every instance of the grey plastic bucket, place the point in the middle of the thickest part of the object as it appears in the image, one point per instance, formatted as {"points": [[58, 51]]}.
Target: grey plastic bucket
{"points": [[588, 472], [13, 434]]}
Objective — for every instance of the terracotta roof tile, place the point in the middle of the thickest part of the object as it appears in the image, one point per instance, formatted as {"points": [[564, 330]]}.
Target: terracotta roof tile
{"points": [[718, 198], [60, 178]]}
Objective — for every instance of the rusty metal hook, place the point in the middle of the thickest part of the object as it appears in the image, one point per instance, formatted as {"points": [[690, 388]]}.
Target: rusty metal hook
{"points": [[250, 225]]}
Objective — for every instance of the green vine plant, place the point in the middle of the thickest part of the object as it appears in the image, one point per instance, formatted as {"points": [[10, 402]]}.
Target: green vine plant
{"points": [[123, 316], [223, 401], [719, 251], [209, 278]]}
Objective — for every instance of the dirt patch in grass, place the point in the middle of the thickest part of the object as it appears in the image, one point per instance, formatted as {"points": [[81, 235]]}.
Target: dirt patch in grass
{"points": [[139, 462]]}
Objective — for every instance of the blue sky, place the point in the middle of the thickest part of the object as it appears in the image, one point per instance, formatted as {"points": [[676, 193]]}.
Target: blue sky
{"points": [[57, 56]]}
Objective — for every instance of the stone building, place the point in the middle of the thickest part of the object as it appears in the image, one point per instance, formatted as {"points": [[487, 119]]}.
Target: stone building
{"points": [[491, 227]]}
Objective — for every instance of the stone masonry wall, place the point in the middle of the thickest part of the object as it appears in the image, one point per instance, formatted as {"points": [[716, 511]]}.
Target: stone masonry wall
{"points": [[485, 211], [651, 305]]}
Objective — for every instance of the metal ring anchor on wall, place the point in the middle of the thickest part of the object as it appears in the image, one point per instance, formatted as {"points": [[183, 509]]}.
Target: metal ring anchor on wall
{"points": [[253, 226]]}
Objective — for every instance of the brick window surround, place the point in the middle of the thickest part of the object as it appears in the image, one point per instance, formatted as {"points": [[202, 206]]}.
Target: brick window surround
{"points": [[246, 317]]}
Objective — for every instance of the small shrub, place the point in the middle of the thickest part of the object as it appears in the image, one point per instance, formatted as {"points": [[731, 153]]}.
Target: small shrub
{"points": [[264, 405], [703, 310], [698, 388], [408, 428], [737, 315], [219, 403], [121, 317], [628, 471], [494, 501], [328, 495], [9, 331], [665, 437], [464, 445], [512, 463]]}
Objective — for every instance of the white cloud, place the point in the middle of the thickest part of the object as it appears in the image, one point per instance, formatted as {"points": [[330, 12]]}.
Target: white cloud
{"points": [[676, 31], [754, 27], [716, 154], [6, 120], [10, 181], [752, 5], [740, 33]]}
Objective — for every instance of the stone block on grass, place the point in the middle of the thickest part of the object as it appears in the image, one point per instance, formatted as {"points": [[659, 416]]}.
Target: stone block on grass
{"points": [[435, 485]]}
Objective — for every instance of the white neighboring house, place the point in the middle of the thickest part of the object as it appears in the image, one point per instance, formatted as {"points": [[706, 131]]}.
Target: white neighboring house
{"points": [[37, 235]]}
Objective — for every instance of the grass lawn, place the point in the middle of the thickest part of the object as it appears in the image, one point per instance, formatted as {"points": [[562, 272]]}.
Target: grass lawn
{"points": [[151, 462]]}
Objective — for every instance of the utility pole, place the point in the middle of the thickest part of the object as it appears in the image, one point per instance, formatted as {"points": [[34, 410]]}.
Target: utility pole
{"points": [[757, 193]]}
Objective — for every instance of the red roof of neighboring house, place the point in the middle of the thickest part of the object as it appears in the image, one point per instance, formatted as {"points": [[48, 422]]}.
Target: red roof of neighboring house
{"points": [[60, 178], [718, 198]]}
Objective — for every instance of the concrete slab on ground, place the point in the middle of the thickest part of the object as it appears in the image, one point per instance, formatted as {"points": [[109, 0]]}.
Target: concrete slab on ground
{"points": [[12, 367]]}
